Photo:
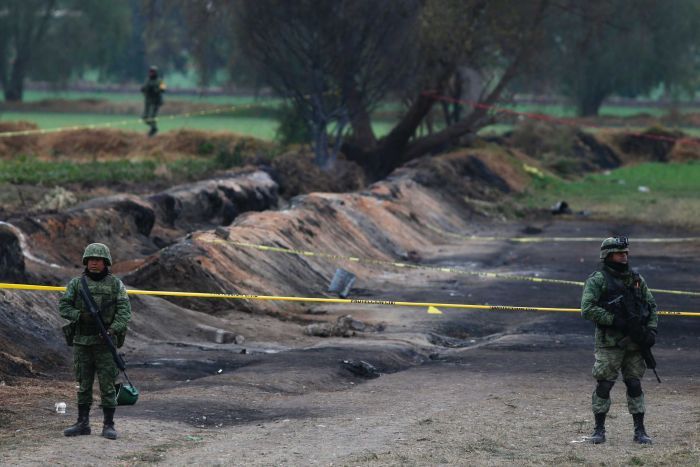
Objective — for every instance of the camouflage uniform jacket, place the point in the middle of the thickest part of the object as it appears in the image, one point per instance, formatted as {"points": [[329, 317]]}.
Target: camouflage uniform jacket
{"points": [[152, 90], [595, 294], [112, 301]]}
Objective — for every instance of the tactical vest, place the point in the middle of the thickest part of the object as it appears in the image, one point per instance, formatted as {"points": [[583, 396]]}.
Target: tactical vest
{"points": [[634, 301], [105, 293]]}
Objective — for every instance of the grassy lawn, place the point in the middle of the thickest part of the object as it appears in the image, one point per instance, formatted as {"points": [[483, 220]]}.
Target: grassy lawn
{"points": [[263, 128], [652, 192], [33, 96], [28, 170], [259, 122]]}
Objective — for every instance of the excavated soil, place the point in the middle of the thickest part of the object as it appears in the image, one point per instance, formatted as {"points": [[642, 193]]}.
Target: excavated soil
{"points": [[461, 388]]}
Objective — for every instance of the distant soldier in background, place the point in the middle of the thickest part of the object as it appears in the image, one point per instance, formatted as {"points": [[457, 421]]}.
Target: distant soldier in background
{"points": [[91, 355], [620, 304], [152, 90]]}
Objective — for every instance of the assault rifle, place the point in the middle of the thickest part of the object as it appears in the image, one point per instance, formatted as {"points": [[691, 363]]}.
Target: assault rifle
{"points": [[92, 307], [634, 332]]}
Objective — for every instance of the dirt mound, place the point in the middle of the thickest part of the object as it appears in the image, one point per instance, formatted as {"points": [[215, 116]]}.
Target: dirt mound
{"points": [[11, 258], [109, 144], [296, 173], [47, 248], [564, 150], [654, 144], [138, 226], [133, 107], [20, 145], [482, 173], [386, 221], [96, 143]]}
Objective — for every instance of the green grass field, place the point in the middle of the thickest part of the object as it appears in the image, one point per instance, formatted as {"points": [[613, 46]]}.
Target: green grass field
{"points": [[34, 96], [263, 128], [654, 192], [258, 122], [29, 170]]}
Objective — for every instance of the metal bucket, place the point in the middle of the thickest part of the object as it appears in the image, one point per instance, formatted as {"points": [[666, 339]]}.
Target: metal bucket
{"points": [[126, 394], [342, 282]]}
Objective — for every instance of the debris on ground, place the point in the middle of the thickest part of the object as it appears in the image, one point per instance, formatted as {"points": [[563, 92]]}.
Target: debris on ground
{"points": [[561, 207], [345, 326], [341, 283], [56, 200], [361, 368]]}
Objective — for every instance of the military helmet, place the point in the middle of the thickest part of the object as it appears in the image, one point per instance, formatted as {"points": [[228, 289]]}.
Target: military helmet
{"points": [[153, 70], [613, 245], [97, 250]]}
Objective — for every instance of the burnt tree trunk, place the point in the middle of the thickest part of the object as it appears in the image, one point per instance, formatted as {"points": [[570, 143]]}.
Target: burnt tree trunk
{"points": [[399, 147]]}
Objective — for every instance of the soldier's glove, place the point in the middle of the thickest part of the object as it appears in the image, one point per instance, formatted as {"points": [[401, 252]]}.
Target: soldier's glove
{"points": [[650, 337]]}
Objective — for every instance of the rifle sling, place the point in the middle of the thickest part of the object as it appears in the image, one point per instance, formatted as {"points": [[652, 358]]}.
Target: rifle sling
{"points": [[85, 290], [94, 309]]}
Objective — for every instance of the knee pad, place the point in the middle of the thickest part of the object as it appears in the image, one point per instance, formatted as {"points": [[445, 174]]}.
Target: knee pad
{"points": [[603, 388], [634, 387]]}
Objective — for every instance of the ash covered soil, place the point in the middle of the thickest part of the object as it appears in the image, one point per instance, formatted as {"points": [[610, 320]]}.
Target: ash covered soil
{"points": [[465, 387], [461, 388]]}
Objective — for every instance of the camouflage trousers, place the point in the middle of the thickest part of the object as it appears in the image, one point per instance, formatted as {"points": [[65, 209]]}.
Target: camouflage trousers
{"points": [[150, 112], [609, 362], [89, 360]]}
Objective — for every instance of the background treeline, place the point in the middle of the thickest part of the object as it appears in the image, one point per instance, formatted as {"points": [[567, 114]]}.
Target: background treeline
{"points": [[336, 62]]}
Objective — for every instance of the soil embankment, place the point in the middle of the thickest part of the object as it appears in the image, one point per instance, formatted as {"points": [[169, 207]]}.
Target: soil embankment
{"points": [[478, 384]]}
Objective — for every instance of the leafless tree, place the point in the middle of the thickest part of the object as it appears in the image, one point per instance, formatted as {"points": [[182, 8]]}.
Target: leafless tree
{"points": [[335, 59]]}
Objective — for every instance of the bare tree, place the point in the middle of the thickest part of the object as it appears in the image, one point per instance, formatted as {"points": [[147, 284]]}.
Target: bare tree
{"points": [[51, 40], [338, 59], [493, 38], [23, 27], [335, 60]]}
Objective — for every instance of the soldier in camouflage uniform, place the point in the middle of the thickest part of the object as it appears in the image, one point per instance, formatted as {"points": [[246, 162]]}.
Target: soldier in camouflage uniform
{"points": [[91, 356], [615, 352], [152, 90]]}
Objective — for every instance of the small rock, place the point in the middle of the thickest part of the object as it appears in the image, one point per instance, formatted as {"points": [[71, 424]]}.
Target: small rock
{"points": [[531, 230], [361, 368], [319, 329], [316, 311], [222, 232], [561, 207]]}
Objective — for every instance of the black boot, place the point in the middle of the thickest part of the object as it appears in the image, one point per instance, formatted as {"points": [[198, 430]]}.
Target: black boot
{"points": [[82, 426], [598, 436], [108, 430], [640, 434]]}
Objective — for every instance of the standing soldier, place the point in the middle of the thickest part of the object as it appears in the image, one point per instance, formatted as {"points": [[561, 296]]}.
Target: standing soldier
{"points": [[91, 356], [618, 301], [152, 90]]}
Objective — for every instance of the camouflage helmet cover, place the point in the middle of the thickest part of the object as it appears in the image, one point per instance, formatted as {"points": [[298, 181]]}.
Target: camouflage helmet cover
{"points": [[613, 245], [97, 250]]}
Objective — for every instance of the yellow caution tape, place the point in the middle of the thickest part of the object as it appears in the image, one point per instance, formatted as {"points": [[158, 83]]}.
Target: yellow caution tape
{"points": [[491, 275], [487, 238], [348, 301]]}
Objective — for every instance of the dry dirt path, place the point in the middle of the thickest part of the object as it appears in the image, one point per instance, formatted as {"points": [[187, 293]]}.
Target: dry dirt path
{"points": [[518, 393]]}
